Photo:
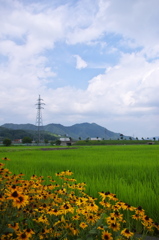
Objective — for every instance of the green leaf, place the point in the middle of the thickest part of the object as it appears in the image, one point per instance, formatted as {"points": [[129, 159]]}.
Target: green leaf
{"points": [[9, 230], [93, 231]]}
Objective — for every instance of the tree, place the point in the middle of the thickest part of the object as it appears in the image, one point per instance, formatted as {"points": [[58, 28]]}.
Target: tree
{"points": [[7, 142], [52, 143], [46, 141], [26, 140], [121, 136], [58, 142]]}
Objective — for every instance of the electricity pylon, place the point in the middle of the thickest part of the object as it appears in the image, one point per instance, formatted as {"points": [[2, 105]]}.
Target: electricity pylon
{"points": [[39, 122]]}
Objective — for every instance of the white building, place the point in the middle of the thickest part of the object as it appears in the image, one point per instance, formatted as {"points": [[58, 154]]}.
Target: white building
{"points": [[95, 139]]}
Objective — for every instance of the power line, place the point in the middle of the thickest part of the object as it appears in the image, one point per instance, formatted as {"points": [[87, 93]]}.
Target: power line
{"points": [[39, 122]]}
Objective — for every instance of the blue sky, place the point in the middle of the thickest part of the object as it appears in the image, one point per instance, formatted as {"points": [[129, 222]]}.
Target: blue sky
{"points": [[91, 61]]}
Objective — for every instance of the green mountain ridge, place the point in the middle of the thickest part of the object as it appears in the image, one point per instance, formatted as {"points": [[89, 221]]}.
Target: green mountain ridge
{"points": [[14, 134], [76, 131]]}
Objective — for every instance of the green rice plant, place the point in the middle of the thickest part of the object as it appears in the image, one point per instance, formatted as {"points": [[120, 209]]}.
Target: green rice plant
{"points": [[30, 209], [131, 172]]}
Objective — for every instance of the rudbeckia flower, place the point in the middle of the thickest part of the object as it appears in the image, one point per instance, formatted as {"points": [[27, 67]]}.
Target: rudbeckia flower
{"points": [[20, 201], [23, 236], [14, 226], [106, 235], [29, 232], [83, 225], [6, 159], [126, 233], [115, 226]]}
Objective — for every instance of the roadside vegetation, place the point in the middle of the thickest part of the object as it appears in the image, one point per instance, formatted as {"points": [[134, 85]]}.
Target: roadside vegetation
{"points": [[115, 142]]}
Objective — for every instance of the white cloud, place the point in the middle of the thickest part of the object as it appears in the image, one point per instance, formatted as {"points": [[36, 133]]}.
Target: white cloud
{"points": [[125, 93], [80, 63]]}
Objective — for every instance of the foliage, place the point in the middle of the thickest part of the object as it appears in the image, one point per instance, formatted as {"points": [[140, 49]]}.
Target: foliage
{"points": [[27, 140], [46, 141], [20, 134], [7, 142], [114, 142], [30, 209], [58, 142]]}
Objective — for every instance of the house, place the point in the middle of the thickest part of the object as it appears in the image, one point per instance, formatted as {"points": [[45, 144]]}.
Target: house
{"points": [[65, 141], [95, 138], [17, 141]]}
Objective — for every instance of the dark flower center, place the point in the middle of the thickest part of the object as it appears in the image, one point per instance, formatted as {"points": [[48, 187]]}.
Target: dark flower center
{"points": [[23, 235], [21, 199], [15, 194]]}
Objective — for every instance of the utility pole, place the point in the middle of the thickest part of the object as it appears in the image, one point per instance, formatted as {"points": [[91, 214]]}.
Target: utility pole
{"points": [[39, 122]]}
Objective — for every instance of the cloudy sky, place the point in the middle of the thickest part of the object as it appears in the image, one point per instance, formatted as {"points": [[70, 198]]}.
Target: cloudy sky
{"points": [[93, 61]]}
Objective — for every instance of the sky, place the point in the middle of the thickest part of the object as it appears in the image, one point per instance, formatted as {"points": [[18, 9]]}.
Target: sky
{"points": [[94, 61]]}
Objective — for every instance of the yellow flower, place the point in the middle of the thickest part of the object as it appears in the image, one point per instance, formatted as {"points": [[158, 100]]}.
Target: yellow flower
{"points": [[13, 195], [29, 232], [147, 220], [2, 198], [66, 207], [76, 217], [117, 215], [156, 225], [7, 237], [105, 204], [54, 212], [106, 235], [126, 206], [20, 201], [74, 230], [92, 207], [43, 219], [140, 211], [100, 228], [126, 233], [83, 225], [136, 216], [6, 159], [22, 236], [92, 218], [111, 219], [14, 226], [115, 226]]}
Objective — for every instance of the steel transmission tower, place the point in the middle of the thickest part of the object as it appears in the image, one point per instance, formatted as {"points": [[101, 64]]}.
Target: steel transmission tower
{"points": [[39, 122]]}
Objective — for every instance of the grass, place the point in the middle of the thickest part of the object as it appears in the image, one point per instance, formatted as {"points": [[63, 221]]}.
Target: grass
{"points": [[131, 172]]}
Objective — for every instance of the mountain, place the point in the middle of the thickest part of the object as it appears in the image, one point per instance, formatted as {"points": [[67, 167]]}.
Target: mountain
{"points": [[82, 130], [13, 133]]}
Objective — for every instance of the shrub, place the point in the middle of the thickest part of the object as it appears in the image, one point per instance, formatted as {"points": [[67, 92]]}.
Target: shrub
{"points": [[7, 142], [27, 140]]}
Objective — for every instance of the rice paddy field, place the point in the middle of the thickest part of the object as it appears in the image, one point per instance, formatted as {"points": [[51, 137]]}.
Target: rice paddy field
{"points": [[129, 171]]}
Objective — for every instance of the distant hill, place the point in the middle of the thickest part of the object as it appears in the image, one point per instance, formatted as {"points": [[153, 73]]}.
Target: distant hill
{"points": [[20, 134], [82, 130]]}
